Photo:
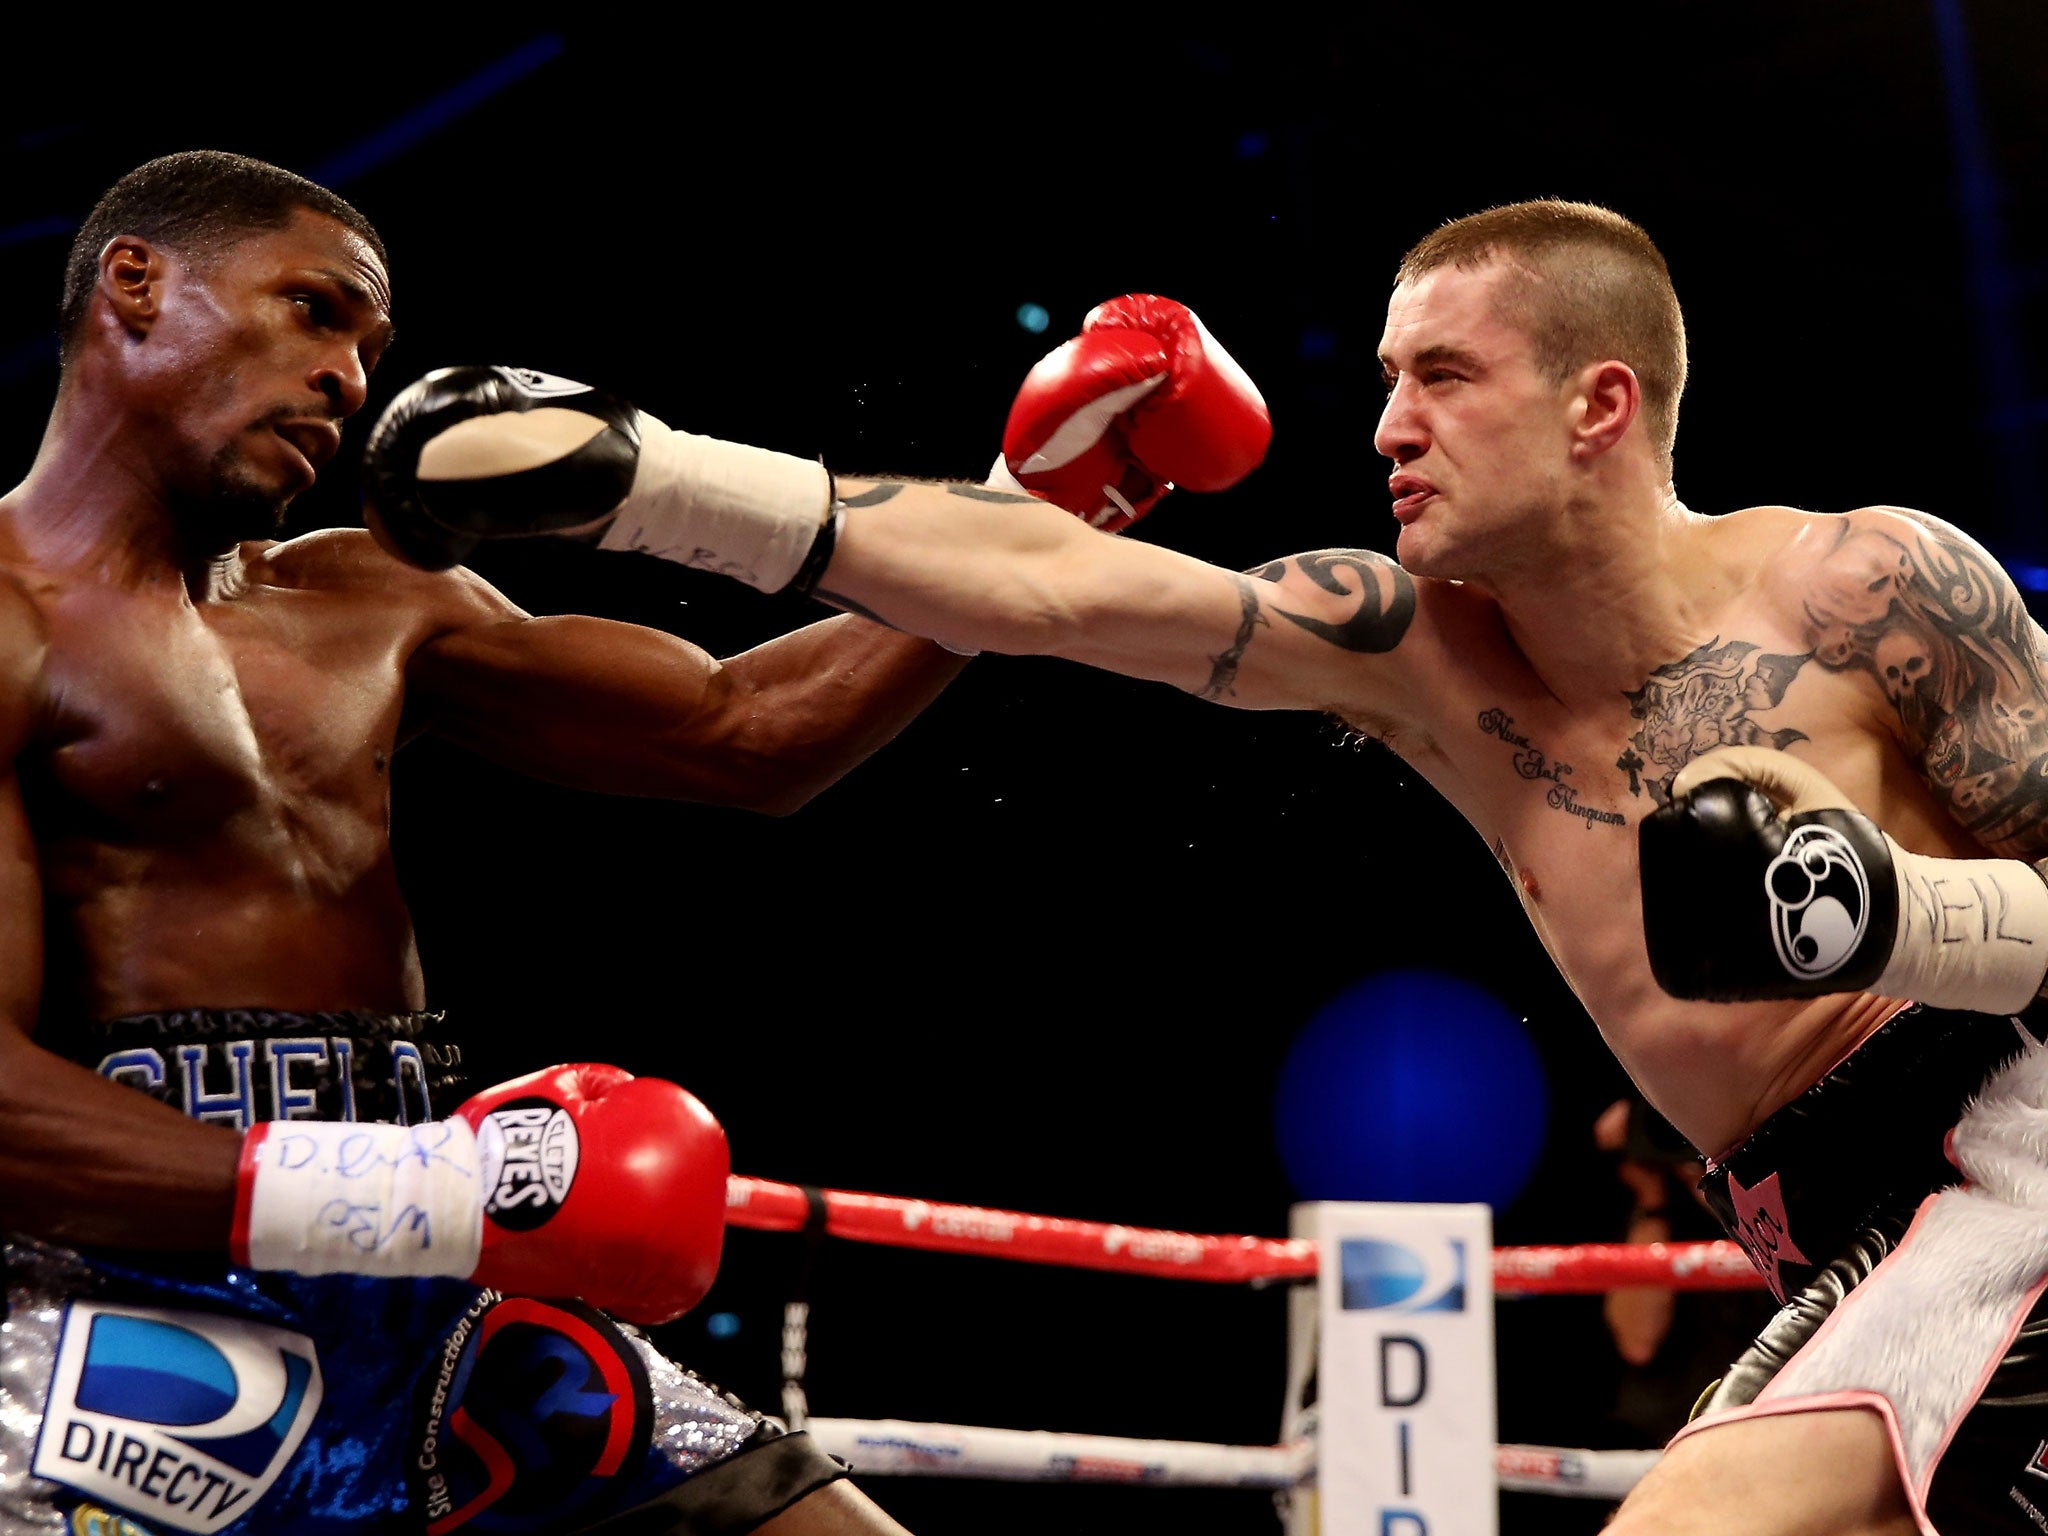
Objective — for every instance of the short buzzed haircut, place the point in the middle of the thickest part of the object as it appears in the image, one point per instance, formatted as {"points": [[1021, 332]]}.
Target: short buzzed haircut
{"points": [[1585, 284], [196, 203]]}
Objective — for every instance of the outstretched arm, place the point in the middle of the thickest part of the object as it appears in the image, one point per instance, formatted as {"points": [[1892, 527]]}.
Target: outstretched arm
{"points": [[1142, 399], [1001, 572], [622, 709]]}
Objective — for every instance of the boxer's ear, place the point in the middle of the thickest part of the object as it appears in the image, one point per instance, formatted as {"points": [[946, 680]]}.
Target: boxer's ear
{"points": [[1610, 397], [132, 273]]}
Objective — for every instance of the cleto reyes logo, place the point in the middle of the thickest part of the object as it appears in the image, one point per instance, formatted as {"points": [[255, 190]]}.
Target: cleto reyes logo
{"points": [[528, 1150]]}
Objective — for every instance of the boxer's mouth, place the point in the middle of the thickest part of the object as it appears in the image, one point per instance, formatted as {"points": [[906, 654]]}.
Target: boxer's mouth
{"points": [[317, 441], [1411, 494]]}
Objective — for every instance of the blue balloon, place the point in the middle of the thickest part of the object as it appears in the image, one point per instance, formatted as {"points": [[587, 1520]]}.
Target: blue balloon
{"points": [[1412, 1085]]}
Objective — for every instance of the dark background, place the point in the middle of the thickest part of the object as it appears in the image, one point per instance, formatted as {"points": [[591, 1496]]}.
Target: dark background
{"points": [[1049, 949]]}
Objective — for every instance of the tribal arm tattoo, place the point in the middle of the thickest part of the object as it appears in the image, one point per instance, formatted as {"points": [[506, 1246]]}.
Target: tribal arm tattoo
{"points": [[1943, 631], [1374, 625], [1223, 668], [888, 490], [986, 493], [873, 496]]}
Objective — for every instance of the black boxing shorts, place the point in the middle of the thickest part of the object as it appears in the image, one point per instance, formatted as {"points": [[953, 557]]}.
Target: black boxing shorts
{"points": [[426, 1407], [1899, 1208], [236, 1066]]}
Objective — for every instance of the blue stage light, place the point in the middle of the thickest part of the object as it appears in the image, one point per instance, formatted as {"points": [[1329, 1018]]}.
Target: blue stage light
{"points": [[1033, 317], [722, 1325], [1412, 1085], [1317, 344], [2029, 578]]}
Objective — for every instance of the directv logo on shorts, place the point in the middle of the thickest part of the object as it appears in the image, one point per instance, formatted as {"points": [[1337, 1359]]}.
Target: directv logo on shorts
{"points": [[183, 1418], [1392, 1277], [528, 1149]]}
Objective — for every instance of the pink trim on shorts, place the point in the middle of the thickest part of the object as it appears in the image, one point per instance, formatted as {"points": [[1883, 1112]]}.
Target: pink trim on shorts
{"points": [[2004, 1347], [1831, 1402], [1916, 1491], [1827, 1324]]}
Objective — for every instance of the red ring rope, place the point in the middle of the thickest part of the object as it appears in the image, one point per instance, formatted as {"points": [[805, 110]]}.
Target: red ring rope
{"points": [[1581, 1269]]}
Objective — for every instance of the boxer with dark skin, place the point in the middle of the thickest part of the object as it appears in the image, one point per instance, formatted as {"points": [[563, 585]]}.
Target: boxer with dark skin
{"points": [[197, 722]]}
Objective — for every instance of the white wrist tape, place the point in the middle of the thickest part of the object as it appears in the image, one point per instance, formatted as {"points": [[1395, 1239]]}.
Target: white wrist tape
{"points": [[743, 512], [387, 1200], [1973, 933]]}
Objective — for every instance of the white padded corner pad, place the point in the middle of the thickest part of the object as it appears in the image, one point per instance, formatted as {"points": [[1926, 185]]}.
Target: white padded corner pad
{"points": [[507, 443], [744, 512], [385, 1200]]}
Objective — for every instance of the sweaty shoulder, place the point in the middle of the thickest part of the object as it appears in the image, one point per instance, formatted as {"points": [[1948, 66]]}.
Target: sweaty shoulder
{"points": [[1876, 541], [1788, 550], [1771, 529], [349, 560]]}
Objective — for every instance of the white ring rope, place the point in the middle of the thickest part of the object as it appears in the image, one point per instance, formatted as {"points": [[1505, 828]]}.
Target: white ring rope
{"points": [[904, 1448]]}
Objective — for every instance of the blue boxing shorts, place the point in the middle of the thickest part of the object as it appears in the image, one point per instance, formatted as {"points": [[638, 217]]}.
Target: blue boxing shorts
{"points": [[153, 1393], [1899, 1208]]}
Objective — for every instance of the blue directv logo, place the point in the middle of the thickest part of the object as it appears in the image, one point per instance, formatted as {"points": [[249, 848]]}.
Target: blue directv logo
{"points": [[183, 1419], [149, 1371], [1392, 1277]]}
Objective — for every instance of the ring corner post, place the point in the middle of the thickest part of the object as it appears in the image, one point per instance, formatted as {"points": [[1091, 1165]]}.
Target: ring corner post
{"points": [[1403, 1368]]}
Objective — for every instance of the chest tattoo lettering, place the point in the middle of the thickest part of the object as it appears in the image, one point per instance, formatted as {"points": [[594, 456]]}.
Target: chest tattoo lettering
{"points": [[1703, 701], [1532, 762]]}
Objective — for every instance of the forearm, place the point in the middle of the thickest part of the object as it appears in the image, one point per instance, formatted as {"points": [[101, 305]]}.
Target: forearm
{"points": [[818, 701], [84, 1161], [622, 709], [976, 568], [978, 571]]}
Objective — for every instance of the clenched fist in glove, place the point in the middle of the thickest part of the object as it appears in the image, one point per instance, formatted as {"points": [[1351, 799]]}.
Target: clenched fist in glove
{"points": [[1760, 880], [1143, 400], [471, 454], [574, 1181]]}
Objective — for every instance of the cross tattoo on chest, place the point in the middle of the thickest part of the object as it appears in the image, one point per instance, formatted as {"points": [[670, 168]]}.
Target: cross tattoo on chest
{"points": [[1630, 764]]}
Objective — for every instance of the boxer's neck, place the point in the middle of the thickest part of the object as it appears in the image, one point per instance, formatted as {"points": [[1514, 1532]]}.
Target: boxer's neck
{"points": [[1623, 591], [95, 502]]}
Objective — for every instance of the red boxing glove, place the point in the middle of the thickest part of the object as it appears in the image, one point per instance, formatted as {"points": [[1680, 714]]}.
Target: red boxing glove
{"points": [[601, 1185], [1144, 399], [572, 1181]]}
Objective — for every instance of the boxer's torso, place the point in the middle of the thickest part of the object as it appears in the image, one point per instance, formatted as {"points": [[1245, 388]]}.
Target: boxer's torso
{"points": [[1557, 790], [209, 784]]}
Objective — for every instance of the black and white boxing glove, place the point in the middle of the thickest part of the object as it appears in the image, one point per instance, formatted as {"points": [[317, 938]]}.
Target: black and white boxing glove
{"points": [[465, 455], [1761, 880]]}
